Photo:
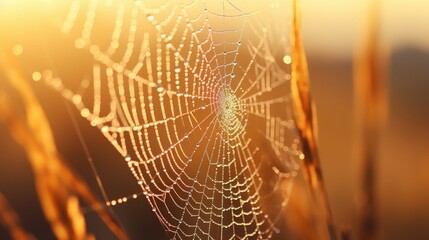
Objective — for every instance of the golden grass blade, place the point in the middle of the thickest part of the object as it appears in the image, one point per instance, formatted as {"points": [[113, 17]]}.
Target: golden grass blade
{"points": [[371, 106], [305, 119], [54, 181], [10, 220], [53, 195]]}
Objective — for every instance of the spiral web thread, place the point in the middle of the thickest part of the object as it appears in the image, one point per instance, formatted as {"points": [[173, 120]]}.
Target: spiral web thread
{"points": [[195, 96]]}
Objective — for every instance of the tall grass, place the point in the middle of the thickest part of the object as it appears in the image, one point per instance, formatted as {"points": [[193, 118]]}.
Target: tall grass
{"points": [[57, 186], [306, 121], [371, 98]]}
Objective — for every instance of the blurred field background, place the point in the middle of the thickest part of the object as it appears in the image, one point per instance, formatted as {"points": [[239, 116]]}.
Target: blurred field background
{"points": [[332, 30]]}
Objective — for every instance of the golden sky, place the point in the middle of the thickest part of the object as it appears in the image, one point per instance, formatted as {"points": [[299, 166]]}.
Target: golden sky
{"points": [[334, 26]]}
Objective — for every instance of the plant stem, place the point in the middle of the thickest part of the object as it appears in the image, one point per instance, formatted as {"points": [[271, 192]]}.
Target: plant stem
{"points": [[372, 107], [306, 122]]}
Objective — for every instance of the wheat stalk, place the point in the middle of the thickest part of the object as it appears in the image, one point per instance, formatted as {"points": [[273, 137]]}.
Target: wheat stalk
{"points": [[305, 120]]}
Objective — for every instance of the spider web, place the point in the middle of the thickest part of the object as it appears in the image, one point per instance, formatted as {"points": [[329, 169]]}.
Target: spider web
{"points": [[195, 96]]}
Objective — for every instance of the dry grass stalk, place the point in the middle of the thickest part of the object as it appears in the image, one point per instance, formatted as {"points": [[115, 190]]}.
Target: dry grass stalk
{"points": [[10, 220], [372, 106], [58, 204], [305, 120], [55, 182]]}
